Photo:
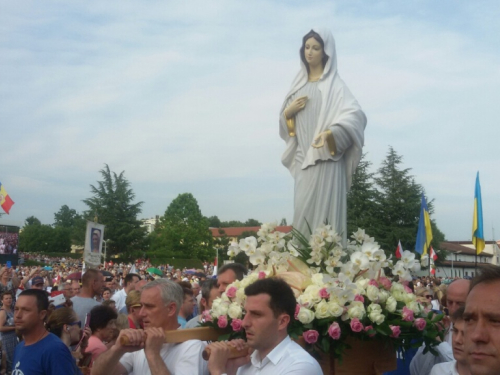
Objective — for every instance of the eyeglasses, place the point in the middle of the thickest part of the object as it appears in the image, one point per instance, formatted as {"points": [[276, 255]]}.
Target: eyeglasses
{"points": [[136, 305]]}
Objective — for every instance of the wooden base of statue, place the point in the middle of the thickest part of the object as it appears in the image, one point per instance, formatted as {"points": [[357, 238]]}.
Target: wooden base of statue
{"points": [[364, 358]]}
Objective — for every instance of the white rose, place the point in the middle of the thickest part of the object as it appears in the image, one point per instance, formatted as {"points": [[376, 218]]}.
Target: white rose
{"points": [[372, 292], [398, 295], [234, 311], [223, 307], [362, 284], [322, 310], [313, 293], [391, 304], [383, 295], [317, 279], [410, 297], [305, 300], [376, 317], [356, 310], [240, 295], [335, 309], [305, 315], [413, 306]]}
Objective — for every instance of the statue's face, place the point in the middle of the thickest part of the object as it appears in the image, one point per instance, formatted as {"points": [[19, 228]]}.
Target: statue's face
{"points": [[313, 52]]}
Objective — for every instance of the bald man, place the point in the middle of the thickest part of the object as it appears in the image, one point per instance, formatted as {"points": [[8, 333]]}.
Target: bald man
{"points": [[456, 295]]}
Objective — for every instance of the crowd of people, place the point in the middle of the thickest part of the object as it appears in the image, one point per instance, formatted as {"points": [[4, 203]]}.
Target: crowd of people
{"points": [[112, 320], [9, 243]]}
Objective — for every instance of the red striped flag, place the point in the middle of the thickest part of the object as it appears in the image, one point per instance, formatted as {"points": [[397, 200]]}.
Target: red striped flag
{"points": [[399, 250], [433, 254]]}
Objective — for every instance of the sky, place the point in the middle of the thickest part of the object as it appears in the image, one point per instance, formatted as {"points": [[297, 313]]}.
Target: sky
{"points": [[185, 97]]}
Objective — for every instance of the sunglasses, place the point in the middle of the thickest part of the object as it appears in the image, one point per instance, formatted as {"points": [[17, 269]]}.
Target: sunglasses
{"points": [[428, 297], [78, 323]]}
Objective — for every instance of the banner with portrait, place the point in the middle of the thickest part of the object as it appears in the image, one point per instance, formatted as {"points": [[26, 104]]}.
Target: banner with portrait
{"points": [[94, 236]]}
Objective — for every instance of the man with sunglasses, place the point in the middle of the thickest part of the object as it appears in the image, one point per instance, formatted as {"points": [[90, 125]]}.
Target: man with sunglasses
{"points": [[41, 352]]}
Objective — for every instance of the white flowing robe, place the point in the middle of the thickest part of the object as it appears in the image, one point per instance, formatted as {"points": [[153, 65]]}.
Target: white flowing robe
{"points": [[321, 179]]}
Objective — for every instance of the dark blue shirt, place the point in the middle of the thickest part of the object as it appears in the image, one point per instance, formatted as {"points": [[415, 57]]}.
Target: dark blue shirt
{"points": [[49, 356]]}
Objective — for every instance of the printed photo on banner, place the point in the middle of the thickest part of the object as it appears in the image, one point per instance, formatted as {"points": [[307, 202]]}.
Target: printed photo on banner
{"points": [[93, 243]]}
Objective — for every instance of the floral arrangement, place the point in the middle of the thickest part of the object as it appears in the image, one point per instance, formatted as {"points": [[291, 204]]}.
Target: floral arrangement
{"points": [[353, 291]]}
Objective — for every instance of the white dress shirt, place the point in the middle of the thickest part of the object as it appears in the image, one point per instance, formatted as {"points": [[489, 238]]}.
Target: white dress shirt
{"points": [[446, 368], [180, 359], [287, 357], [119, 298]]}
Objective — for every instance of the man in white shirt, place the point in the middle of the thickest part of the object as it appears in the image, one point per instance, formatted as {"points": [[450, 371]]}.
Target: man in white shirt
{"points": [[270, 306], [459, 365], [129, 284], [146, 353]]}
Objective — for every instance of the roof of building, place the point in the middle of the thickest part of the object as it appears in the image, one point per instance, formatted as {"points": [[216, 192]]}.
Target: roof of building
{"points": [[237, 231], [455, 247]]}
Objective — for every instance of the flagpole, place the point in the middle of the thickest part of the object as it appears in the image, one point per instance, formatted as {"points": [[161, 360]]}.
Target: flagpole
{"points": [[429, 261]]}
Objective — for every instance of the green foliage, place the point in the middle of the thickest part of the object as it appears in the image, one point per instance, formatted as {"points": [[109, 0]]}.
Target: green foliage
{"points": [[283, 222], [112, 204], [68, 218], [182, 232], [214, 222], [363, 201], [44, 238], [236, 223], [32, 221]]}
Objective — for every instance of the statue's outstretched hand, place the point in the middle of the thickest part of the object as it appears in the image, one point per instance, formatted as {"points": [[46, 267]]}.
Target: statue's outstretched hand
{"points": [[319, 141], [296, 106]]}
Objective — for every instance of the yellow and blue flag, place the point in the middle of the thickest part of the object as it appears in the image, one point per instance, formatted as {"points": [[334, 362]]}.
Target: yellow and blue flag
{"points": [[424, 234], [477, 219], [5, 201]]}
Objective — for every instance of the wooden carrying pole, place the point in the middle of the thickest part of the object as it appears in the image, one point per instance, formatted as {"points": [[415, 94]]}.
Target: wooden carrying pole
{"points": [[181, 335]]}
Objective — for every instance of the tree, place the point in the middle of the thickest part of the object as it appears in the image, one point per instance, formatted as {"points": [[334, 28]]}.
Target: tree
{"points": [[68, 218], [112, 203], [44, 238], [283, 222], [214, 222], [252, 223], [32, 221], [183, 231], [399, 199], [362, 201]]}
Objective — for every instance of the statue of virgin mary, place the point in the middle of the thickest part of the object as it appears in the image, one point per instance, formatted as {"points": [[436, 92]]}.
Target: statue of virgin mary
{"points": [[323, 127]]}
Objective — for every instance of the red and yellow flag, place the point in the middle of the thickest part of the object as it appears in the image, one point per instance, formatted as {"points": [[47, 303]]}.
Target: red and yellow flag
{"points": [[5, 200]]}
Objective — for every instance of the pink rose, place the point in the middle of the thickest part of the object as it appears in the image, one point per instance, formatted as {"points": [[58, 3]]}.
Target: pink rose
{"points": [[373, 282], [396, 331], [231, 292], [222, 321], [297, 310], [385, 282], [262, 275], [408, 289], [311, 336], [407, 314], [359, 298], [356, 325], [420, 324], [236, 325], [334, 331], [323, 293], [369, 328], [205, 316]]}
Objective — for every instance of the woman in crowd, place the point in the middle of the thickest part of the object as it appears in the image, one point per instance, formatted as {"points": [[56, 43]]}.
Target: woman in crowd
{"points": [[106, 294], [103, 326], [7, 330], [64, 323], [133, 303]]}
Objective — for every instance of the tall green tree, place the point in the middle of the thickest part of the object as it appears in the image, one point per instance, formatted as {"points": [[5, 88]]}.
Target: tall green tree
{"points": [[68, 218], [183, 231], [399, 200], [363, 201], [112, 202]]}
